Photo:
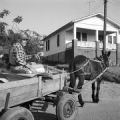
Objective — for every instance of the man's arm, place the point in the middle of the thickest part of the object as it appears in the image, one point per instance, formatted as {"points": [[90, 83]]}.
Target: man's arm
{"points": [[32, 57]]}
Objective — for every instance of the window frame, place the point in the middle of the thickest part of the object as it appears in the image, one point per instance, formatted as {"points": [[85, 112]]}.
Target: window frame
{"points": [[78, 36], [84, 36], [58, 40], [114, 39], [110, 39], [47, 45]]}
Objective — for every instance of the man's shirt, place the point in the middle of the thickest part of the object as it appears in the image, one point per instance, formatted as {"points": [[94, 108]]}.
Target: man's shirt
{"points": [[18, 55]]}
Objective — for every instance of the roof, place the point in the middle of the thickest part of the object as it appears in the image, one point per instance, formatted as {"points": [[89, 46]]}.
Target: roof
{"points": [[99, 15], [81, 19], [58, 30]]}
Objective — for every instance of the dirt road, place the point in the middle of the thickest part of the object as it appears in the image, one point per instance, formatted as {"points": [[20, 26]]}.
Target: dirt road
{"points": [[107, 109]]}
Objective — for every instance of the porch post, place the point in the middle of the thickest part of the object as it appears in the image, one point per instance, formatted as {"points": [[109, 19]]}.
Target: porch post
{"points": [[74, 48], [117, 49], [97, 44], [74, 42], [74, 32]]}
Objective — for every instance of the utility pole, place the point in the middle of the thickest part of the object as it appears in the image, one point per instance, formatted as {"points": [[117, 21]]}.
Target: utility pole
{"points": [[105, 16]]}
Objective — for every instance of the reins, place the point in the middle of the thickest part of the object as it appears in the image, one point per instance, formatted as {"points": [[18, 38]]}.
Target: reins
{"points": [[84, 66], [92, 81], [79, 68]]}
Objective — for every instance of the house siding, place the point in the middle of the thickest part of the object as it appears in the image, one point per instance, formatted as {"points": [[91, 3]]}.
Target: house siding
{"points": [[53, 44]]}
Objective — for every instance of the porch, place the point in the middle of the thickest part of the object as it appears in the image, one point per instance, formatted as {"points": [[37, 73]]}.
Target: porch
{"points": [[90, 49], [87, 38]]}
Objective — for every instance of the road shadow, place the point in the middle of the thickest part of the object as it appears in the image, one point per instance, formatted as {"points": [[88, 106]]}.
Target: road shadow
{"points": [[85, 102], [44, 116]]}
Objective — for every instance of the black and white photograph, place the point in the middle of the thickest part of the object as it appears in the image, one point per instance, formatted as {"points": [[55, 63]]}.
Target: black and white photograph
{"points": [[59, 59]]}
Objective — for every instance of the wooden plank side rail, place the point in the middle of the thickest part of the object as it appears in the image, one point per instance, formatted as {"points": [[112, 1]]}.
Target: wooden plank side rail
{"points": [[20, 91]]}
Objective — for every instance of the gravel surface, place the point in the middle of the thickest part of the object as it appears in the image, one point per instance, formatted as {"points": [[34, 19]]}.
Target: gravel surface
{"points": [[107, 109]]}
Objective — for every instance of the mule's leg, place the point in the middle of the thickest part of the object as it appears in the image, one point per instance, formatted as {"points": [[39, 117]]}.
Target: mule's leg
{"points": [[98, 90], [93, 92], [80, 100], [72, 82], [79, 86]]}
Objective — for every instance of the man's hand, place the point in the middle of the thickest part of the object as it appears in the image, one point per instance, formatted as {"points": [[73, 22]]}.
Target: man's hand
{"points": [[37, 57]]}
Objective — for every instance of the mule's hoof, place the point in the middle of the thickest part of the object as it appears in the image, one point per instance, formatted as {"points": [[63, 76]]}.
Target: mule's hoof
{"points": [[94, 101], [97, 100]]}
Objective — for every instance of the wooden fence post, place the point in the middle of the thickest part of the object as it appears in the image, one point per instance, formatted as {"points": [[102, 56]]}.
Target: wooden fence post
{"points": [[97, 49], [117, 53], [74, 48]]}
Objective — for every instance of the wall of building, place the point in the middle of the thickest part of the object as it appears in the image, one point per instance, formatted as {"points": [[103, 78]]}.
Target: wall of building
{"points": [[53, 44], [64, 34], [69, 36]]}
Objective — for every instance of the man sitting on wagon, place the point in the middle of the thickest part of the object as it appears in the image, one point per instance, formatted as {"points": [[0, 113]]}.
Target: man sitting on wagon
{"points": [[18, 58]]}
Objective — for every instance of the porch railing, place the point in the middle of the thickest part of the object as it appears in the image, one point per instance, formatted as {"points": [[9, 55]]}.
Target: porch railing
{"points": [[91, 44], [69, 44], [108, 46], [86, 44]]}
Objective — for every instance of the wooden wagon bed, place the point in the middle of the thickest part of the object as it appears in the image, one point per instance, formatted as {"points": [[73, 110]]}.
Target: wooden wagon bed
{"points": [[23, 88]]}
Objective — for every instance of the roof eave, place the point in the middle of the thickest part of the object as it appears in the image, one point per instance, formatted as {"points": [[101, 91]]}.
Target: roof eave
{"points": [[58, 30]]}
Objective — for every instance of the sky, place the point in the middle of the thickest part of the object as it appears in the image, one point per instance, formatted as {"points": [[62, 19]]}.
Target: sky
{"points": [[45, 16]]}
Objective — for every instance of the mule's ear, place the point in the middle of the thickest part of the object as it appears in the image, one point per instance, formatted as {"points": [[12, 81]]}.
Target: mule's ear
{"points": [[108, 54]]}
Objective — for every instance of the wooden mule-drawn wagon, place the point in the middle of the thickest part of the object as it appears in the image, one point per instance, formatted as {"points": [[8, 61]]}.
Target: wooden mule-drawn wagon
{"points": [[22, 89]]}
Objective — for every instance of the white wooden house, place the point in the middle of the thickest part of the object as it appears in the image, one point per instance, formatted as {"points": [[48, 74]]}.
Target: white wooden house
{"points": [[87, 33]]}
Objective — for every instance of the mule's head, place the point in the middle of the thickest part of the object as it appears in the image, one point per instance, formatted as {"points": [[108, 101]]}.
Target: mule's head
{"points": [[105, 57]]}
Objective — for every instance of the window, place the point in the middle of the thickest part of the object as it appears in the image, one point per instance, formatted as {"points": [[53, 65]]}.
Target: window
{"points": [[81, 36], [101, 38], [78, 35], [58, 40], [84, 36], [110, 39], [47, 45], [114, 39]]}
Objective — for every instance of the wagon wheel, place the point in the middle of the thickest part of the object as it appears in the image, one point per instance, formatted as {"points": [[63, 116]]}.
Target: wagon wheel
{"points": [[17, 113], [66, 108]]}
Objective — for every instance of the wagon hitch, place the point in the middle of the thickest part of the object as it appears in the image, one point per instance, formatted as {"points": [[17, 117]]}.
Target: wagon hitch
{"points": [[70, 89]]}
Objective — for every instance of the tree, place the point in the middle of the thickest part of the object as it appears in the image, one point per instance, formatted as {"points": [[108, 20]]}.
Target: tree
{"points": [[18, 19], [3, 13], [3, 24], [2, 27], [35, 44], [9, 37], [3, 35]]}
